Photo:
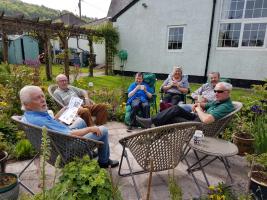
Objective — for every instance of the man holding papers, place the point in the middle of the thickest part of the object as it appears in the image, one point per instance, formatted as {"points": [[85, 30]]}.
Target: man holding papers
{"points": [[35, 112], [65, 92]]}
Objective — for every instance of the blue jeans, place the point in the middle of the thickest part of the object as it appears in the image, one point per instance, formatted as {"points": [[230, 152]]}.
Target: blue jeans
{"points": [[103, 152], [187, 107]]}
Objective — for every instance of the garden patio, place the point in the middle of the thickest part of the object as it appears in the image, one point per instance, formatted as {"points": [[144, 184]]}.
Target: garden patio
{"points": [[159, 188], [102, 90]]}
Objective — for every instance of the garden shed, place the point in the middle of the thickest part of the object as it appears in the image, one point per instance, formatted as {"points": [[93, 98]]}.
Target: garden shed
{"points": [[21, 48]]}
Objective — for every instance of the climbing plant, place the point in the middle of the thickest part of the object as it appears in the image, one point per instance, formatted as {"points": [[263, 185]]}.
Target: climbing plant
{"points": [[111, 37]]}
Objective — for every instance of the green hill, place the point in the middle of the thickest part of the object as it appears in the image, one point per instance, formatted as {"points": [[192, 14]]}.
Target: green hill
{"points": [[17, 7]]}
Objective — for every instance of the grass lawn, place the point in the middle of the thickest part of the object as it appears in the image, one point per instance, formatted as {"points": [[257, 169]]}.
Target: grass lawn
{"points": [[119, 82]]}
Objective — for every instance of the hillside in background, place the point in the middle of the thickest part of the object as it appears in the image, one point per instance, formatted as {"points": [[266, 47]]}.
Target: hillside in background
{"points": [[17, 7]]}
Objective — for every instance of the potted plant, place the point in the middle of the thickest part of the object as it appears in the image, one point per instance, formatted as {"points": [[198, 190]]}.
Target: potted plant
{"points": [[258, 161], [242, 136], [258, 175], [9, 186]]}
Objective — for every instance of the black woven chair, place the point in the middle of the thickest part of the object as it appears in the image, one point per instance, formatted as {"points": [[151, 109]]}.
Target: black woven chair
{"points": [[163, 146], [66, 146]]}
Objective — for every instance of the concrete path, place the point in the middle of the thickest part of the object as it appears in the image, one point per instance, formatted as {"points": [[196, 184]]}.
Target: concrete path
{"points": [[159, 190]]}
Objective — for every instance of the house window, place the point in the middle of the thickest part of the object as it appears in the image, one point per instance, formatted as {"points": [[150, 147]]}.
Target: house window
{"points": [[229, 34], [243, 24], [253, 34], [175, 37]]}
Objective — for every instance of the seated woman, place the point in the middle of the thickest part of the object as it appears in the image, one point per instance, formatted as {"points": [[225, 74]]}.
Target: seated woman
{"points": [[174, 86]]}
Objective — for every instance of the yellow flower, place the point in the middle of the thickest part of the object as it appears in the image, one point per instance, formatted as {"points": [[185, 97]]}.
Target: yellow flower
{"points": [[211, 187], [3, 104]]}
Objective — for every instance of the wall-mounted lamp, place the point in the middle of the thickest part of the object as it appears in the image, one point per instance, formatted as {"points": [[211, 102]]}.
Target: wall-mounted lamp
{"points": [[144, 5]]}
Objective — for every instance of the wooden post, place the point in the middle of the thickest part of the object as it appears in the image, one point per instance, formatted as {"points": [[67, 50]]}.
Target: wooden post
{"points": [[64, 40], [5, 47], [47, 49], [91, 56]]}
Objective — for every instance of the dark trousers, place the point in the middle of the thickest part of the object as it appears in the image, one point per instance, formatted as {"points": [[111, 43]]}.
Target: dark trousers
{"points": [[172, 98], [172, 115], [137, 106]]}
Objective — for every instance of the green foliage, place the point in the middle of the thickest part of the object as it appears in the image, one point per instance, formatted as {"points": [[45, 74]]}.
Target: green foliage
{"points": [[15, 7], [175, 190], [23, 149], [221, 191], [83, 179], [13, 78]]}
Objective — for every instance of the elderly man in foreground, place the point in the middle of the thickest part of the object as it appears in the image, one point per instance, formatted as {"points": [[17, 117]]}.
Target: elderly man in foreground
{"points": [[203, 112], [64, 92], [35, 112]]}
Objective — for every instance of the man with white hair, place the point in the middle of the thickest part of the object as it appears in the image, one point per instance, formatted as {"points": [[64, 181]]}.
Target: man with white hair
{"points": [[203, 112], [35, 112], [64, 92]]}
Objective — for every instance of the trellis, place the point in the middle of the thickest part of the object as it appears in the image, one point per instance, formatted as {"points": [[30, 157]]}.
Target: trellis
{"points": [[45, 30]]}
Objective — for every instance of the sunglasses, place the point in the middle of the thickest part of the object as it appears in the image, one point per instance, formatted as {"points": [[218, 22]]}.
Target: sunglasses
{"points": [[219, 91]]}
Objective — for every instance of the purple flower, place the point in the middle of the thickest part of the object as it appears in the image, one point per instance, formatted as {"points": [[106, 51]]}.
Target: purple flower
{"points": [[257, 109]]}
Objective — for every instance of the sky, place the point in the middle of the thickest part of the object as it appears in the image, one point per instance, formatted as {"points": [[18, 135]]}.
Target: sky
{"points": [[90, 8]]}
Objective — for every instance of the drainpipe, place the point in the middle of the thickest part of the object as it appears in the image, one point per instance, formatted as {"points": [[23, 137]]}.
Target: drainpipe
{"points": [[209, 45]]}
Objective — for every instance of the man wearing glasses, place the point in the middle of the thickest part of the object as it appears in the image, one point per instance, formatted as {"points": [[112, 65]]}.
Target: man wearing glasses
{"points": [[203, 112]]}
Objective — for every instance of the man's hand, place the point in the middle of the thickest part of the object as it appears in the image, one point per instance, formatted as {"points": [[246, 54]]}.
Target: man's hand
{"points": [[95, 130]]}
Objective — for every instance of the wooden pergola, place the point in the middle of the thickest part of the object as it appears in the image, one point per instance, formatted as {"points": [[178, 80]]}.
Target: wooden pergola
{"points": [[45, 30]]}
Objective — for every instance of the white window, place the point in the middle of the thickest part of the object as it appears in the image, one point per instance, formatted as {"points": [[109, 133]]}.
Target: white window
{"points": [[243, 24], [175, 37]]}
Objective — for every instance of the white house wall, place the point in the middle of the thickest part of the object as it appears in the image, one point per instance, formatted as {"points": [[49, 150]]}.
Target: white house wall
{"points": [[143, 33], [235, 63]]}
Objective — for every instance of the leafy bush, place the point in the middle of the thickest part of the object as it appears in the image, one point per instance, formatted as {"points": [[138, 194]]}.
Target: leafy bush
{"points": [[83, 179], [23, 149]]}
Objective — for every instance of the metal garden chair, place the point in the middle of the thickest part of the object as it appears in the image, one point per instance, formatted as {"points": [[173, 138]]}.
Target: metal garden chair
{"points": [[162, 146], [66, 146]]}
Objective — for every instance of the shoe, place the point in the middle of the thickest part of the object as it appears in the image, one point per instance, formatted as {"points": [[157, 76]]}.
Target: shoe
{"points": [[111, 163], [129, 129], [94, 153], [144, 122]]}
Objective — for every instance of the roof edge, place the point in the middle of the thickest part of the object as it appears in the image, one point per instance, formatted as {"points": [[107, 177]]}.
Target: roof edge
{"points": [[114, 18]]}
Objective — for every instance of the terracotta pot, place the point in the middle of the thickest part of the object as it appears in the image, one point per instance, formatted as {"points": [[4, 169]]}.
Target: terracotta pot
{"points": [[3, 159], [244, 145], [259, 189]]}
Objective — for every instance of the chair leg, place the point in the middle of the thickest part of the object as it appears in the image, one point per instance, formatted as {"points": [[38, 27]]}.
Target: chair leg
{"points": [[124, 154], [23, 170]]}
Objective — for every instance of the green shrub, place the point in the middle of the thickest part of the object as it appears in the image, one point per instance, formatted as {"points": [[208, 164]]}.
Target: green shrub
{"points": [[23, 149], [83, 179]]}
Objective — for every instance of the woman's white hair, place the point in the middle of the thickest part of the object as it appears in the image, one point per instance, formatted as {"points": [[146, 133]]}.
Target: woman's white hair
{"points": [[25, 94], [177, 68]]}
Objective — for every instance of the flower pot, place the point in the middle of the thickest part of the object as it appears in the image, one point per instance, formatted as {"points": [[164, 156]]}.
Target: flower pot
{"points": [[9, 186], [258, 188], [244, 145], [3, 159]]}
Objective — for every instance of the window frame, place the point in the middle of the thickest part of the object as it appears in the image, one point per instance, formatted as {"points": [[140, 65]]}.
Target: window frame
{"points": [[168, 32], [243, 21]]}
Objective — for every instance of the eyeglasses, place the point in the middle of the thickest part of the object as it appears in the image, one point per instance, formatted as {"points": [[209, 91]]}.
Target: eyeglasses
{"points": [[219, 91]]}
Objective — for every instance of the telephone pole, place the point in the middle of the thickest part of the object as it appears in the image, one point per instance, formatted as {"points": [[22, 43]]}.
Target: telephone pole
{"points": [[80, 8]]}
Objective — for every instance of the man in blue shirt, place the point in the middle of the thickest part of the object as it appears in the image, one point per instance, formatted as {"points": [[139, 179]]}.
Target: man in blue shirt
{"points": [[35, 112], [138, 94]]}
